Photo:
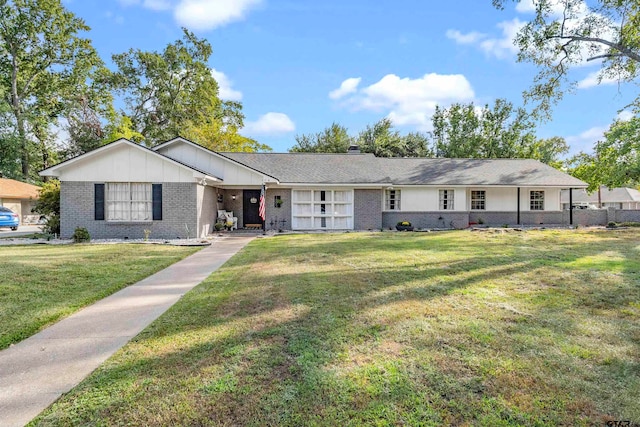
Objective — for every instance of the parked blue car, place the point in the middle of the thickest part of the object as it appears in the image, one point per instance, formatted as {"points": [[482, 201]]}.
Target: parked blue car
{"points": [[8, 218]]}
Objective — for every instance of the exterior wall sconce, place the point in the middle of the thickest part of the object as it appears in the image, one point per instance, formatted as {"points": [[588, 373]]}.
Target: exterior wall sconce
{"points": [[233, 197]]}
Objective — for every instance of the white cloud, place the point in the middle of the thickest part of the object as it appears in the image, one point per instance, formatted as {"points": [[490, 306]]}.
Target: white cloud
{"points": [[209, 14], [592, 80], [469, 38], [503, 47], [586, 140], [270, 124], [411, 101], [500, 47], [226, 92], [347, 87], [625, 116]]}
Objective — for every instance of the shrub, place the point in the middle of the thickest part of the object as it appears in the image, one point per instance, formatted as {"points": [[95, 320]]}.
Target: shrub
{"points": [[218, 226], [48, 204], [611, 224], [52, 225], [403, 224], [81, 235]]}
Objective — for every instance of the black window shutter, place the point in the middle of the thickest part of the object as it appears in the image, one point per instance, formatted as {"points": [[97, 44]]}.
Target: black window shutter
{"points": [[157, 201], [99, 202]]}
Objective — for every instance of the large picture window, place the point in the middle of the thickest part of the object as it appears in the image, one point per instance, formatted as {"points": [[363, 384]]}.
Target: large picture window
{"points": [[392, 200], [536, 201], [128, 201], [446, 200], [478, 200]]}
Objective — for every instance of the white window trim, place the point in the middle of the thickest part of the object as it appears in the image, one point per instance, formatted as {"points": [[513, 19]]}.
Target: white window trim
{"points": [[451, 201], [109, 201], [531, 200], [471, 208], [386, 200]]}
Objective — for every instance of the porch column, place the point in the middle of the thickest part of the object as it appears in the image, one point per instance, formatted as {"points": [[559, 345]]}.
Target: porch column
{"points": [[570, 206], [518, 220]]}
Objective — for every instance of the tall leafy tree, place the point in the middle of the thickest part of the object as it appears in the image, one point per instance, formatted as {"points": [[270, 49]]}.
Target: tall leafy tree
{"points": [[380, 139], [497, 131], [383, 140], [44, 62], [567, 33], [333, 139], [172, 91], [615, 161]]}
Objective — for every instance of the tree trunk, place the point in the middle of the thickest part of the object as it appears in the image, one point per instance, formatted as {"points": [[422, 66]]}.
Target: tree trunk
{"points": [[17, 112]]}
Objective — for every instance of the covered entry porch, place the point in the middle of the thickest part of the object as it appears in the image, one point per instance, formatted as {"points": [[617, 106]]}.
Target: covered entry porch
{"points": [[238, 208]]}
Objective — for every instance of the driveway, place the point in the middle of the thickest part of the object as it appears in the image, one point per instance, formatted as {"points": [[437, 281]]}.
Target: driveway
{"points": [[23, 230]]}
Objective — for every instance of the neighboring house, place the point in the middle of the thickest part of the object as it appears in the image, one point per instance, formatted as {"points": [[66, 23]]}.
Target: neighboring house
{"points": [[18, 196], [176, 188], [619, 198]]}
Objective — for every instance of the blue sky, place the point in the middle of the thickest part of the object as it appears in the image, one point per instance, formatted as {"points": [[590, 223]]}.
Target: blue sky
{"points": [[298, 66]]}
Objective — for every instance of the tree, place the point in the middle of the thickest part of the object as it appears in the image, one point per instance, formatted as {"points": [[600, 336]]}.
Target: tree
{"points": [[43, 63], [334, 139], [173, 90], [615, 161], [380, 139], [384, 141], [500, 131], [567, 33], [48, 204]]}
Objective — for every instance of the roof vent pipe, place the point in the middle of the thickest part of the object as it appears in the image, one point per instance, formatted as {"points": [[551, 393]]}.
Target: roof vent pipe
{"points": [[353, 149]]}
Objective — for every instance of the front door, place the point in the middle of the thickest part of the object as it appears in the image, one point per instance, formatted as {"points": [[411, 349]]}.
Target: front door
{"points": [[250, 205]]}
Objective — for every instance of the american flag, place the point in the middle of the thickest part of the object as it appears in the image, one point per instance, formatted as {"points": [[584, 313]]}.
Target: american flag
{"points": [[262, 210]]}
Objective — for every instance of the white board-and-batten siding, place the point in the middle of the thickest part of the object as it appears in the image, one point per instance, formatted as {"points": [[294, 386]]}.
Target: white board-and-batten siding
{"points": [[126, 164], [231, 173]]}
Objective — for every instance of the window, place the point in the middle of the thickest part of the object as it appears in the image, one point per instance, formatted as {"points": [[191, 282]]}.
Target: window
{"points": [[128, 201], [478, 199], [322, 209], [446, 200], [392, 200], [536, 201]]}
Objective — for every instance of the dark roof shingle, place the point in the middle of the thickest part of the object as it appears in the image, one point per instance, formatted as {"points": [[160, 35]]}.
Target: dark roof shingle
{"points": [[315, 168]]}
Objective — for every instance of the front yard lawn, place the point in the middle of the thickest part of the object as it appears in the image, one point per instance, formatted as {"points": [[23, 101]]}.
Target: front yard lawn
{"points": [[452, 328], [41, 284]]}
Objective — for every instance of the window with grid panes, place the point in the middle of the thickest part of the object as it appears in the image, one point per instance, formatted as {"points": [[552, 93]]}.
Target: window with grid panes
{"points": [[446, 200], [478, 200], [536, 200]]}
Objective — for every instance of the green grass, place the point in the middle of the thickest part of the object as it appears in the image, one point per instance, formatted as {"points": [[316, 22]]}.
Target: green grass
{"points": [[41, 284], [454, 328]]}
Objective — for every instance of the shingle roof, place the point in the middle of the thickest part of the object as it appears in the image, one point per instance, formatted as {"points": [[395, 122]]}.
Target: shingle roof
{"points": [[524, 172], [314, 167], [10, 188], [614, 195], [365, 168]]}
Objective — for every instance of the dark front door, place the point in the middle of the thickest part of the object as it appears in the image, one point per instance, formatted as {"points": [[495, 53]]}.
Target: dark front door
{"points": [[250, 205]]}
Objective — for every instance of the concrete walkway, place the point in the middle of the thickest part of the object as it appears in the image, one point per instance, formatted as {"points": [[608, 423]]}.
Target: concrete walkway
{"points": [[36, 371]]}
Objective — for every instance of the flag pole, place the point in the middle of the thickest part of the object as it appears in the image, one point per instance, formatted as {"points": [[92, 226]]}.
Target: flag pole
{"points": [[263, 208]]}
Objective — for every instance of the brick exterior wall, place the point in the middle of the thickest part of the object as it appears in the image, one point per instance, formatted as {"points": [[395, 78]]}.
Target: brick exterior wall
{"points": [[511, 218], [621, 215], [586, 217], [278, 214], [427, 219], [367, 209], [179, 208]]}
